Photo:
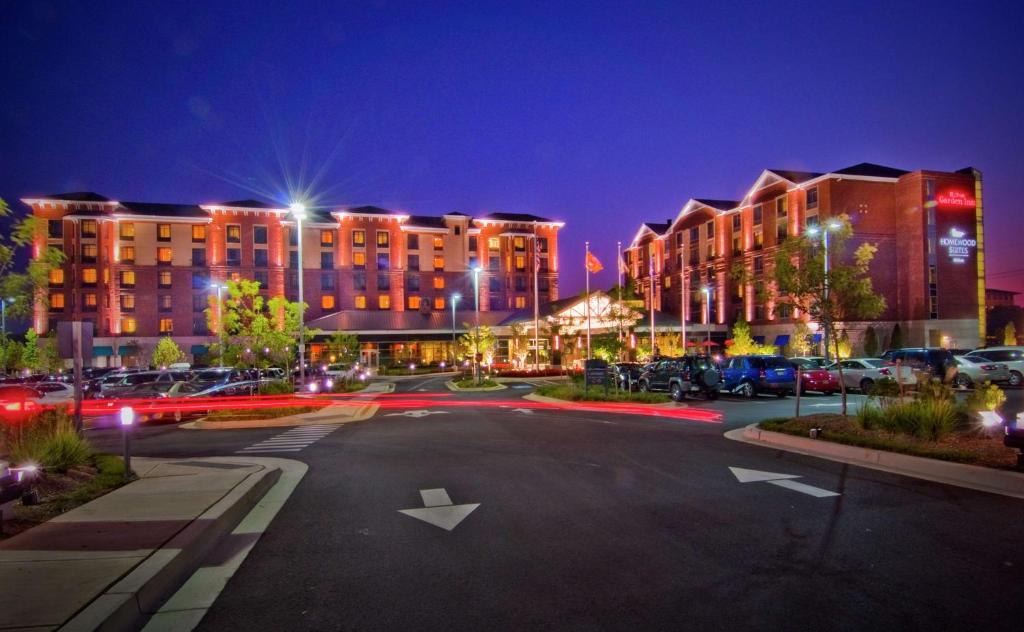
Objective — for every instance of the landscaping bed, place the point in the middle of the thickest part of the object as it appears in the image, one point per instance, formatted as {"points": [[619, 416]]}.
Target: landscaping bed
{"points": [[576, 393], [259, 413], [470, 382]]}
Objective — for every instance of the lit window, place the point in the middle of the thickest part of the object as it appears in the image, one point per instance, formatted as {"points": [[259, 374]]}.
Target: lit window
{"points": [[166, 325], [384, 301], [358, 237], [360, 302], [163, 232], [128, 302], [88, 228], [519, 243], [89, 301], [127, 230], [812, 198], [438, 243], [199, 233], [127, 278], [438, 283], [57, 276], [414, 302], [327, 301], [235, 276], [520, 262], [438, 263], [163, 255], [493, 243], [128, 326], [165, 302], [438, 302], [128, 254], [383, 239], [359, 259], [163, 279], [56, 302], [234, 234], [520, 302], [89, 276], [326, 238], [89, 252]]}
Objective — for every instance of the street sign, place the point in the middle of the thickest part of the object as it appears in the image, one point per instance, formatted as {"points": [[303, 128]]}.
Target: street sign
{"points": [[438, 509], [596, 372], [779, 480], [66, 339]]}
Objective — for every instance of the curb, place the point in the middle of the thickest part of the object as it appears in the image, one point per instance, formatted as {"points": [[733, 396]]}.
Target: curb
{"points": [[362, 413], [958, 474], [565, 403], [126, 604], [452, 387]]}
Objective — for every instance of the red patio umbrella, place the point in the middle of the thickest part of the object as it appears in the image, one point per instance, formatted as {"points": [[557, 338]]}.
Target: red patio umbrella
{"points": [[709, 343]]}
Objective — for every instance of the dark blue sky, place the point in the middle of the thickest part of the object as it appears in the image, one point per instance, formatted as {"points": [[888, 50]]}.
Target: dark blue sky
{"points": [[601, 115]]}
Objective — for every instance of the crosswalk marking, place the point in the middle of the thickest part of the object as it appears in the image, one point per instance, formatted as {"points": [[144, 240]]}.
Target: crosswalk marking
{"points": [[293, 440]]}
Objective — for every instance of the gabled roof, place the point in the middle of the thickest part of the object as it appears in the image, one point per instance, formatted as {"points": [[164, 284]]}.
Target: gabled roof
{"points": [[693, 205], [371, 210], [658, 228], [514, 217], [75, 196], [796, 177], [248, 204], [161, 210], [721, 205], [425, 221], [871, 170]]}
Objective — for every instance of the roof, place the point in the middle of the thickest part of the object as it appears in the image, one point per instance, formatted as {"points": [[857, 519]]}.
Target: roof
{"points": [[658, 228], [372, 210], [545, 309], [722, 205], [871, 170], [248, 204], [76, 196], [425, 221], [514, 217], [361, 320], [992, 289], [162, 210], [796, 176]]}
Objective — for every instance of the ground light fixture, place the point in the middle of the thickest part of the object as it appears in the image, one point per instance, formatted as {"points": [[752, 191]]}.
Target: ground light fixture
{"points": [[127, 421]]}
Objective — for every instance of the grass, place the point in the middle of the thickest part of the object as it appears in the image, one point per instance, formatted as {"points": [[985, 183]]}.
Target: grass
{"points": [[575, 393], [48, 439], [469, 382], [259, 413], [342, 386]]}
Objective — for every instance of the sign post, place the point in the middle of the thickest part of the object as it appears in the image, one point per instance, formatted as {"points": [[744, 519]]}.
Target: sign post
{"points": [[595, 373], [74, 342]]}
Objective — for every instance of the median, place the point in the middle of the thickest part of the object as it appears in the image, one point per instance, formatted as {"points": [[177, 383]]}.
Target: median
{"points": [[574, 392]]}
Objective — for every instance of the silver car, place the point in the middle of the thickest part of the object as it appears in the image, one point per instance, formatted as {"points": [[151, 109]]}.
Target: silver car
{"points": [[971, 371], [1012, 357], [862, 373]]}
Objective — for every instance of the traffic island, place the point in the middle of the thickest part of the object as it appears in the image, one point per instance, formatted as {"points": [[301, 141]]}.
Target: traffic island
{"points": [[469, 385]]}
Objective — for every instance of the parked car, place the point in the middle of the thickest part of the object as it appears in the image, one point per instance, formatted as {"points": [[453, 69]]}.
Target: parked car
{"points": [[812, 361], [814, 376], [219, 376], [971, 371], [56, 392], [118, 383], [754, 374], [625, 374], [938, 363], [18, 401], [862, 373], [1012, 357], [681, 376]]}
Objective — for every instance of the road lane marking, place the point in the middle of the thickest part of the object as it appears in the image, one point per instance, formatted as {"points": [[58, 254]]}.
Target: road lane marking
{"points": [[810, 490], [292, 440], [438, 509], [780, 480], [421, 412]]}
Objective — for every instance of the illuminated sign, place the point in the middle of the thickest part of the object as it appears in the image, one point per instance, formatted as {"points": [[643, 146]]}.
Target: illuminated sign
{"points": [[955, 198], [958, 245]]}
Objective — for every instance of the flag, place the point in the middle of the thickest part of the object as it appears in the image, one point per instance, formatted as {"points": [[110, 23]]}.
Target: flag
{"points": [[622, 266], [536, 254], [593, 265]]}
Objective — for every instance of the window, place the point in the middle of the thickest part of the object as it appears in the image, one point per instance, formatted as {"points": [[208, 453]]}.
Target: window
{"points": [[200, 281], [327, 301], [358, 238], [520, 302], [412, 283], [472, 243], [198, 233], [383, 261], [199, 327], [542, 244], [164, 302], [327, 282], [128, 254], [293, 237], [784, 311], [758, 215], [758, 265], [494, 284], [163, 279], [759, 312], [359, 281], [438, 263], [383, 282], [543, 285], [291, 280], [163, 232], [166, 325], [494, 262], [200, 302], [127, 230], [520, 262], [520, 284], [56, 302], [458, 230], [293, 258], [128, 326], [234, 256], [163, 256], [261, 277], [359, 260], [519, 243], [737, 223], [199, 257], [544, 265], [438, 302], [360, 302], [709, 230], [88, 228], [259, 257], [472, 260], [128, 303], [234, 234], [235, 276], [259, 235], [127, 278], [414, 302], [493, 243], [326, 260], [384, 301], [56, 277], [414, 262], [812, 198], [89, 253], [781, 220], [438, 243], [758, 238], [326, 238], [89, 302], [439, 283], [812, 220], [55, 228], [383, 239], [412, 242]]}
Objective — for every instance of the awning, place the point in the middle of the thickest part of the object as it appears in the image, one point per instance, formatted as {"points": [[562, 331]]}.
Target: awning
{"points": [[199, 350], [759, 340], [102, 351], [127, 350], [781, 340], [816, 338]]}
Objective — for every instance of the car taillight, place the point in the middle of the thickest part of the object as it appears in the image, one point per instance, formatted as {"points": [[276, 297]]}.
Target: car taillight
{"points": [[885, 371]]}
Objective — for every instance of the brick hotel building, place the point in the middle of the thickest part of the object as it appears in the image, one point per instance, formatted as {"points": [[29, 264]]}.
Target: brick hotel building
{"points": [[930, 264], [141, 270]]}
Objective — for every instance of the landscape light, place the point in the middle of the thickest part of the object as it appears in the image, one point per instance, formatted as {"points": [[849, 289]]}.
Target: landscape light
{"points": [[990, 418]]}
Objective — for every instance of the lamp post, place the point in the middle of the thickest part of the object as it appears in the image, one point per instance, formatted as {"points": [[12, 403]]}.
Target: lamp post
{"points": [[220, 323], [814, 230], [298, 210], [707, 315], [455, 299], [476, 341], [3, 314]]}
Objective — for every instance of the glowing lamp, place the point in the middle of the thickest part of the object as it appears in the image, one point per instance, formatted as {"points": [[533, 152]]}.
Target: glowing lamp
{"points": [[990, 418], [298, 210], [127, 416]]}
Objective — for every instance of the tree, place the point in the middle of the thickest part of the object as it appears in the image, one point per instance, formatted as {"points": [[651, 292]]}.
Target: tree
{"points": [[30, 355], [470, 343], [843, 348], [743, 343], [800, 341], [519, 343], [23, 290], [799, 281], [166, 353], [257, 332], [607, 347], [11, 352], [896, 338], [870, 342], [1010, 334], [343, 348]]}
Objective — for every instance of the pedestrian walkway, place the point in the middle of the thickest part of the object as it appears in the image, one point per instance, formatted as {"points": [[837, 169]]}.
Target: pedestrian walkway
{"points": [[293, 440]]}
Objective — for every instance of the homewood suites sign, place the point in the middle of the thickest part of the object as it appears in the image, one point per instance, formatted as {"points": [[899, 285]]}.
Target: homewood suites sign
{"points": [[958, 245]]}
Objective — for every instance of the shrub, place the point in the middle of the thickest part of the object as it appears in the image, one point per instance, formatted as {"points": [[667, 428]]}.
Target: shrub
{"points": [[933, 389], [871, 417], [885, 387], [986, 396], [277, 387], [48, 439], [929, 418]]}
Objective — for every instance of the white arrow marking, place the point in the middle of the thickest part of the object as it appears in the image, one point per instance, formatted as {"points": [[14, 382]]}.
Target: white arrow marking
{"points": [[422, 412], [781, 480], [438, 509], [525, 411]]}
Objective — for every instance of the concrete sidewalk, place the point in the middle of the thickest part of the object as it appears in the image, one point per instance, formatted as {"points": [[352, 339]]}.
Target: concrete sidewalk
{"points": [[111, 562]]}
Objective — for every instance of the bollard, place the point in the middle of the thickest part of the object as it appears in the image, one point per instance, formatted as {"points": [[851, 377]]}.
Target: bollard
{"points": [[127, 420]]}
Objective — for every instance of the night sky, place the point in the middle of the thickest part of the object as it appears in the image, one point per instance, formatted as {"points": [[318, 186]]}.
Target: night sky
{"points": [[601, 115]]}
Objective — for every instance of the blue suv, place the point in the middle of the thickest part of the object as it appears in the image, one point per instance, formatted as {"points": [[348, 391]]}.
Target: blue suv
{"points": [[754, 374]]}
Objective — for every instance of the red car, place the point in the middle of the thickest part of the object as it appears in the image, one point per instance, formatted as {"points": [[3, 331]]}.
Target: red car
{"points": [[813, 377]]}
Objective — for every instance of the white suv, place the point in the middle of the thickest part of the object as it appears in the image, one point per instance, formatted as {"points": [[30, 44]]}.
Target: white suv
{"points": [[1012, 357]]}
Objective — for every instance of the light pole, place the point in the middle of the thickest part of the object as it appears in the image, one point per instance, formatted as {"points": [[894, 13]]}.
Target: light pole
{"points": [[814, 230], [707, 316], [220, 323], [299, 213], [476, 342], [455, 299]]}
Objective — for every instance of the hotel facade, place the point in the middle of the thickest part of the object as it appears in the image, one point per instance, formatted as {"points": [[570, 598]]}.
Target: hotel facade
{"points": [[140, 270], [930, 263]]}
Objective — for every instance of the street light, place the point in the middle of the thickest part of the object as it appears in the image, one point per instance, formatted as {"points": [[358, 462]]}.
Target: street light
{"points": [[814, 231], [220, 321], [476, 342], [298, 210], [455, 299]]}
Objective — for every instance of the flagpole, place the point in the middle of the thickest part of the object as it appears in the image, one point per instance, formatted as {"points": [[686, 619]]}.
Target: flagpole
{"points": [[586, 264], [682, 307], [651, 275], [536, 299], [618, 309]]}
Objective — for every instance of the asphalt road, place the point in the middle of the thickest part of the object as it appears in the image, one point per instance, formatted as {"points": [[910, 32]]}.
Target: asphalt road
{"points": [[605, 521]]}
